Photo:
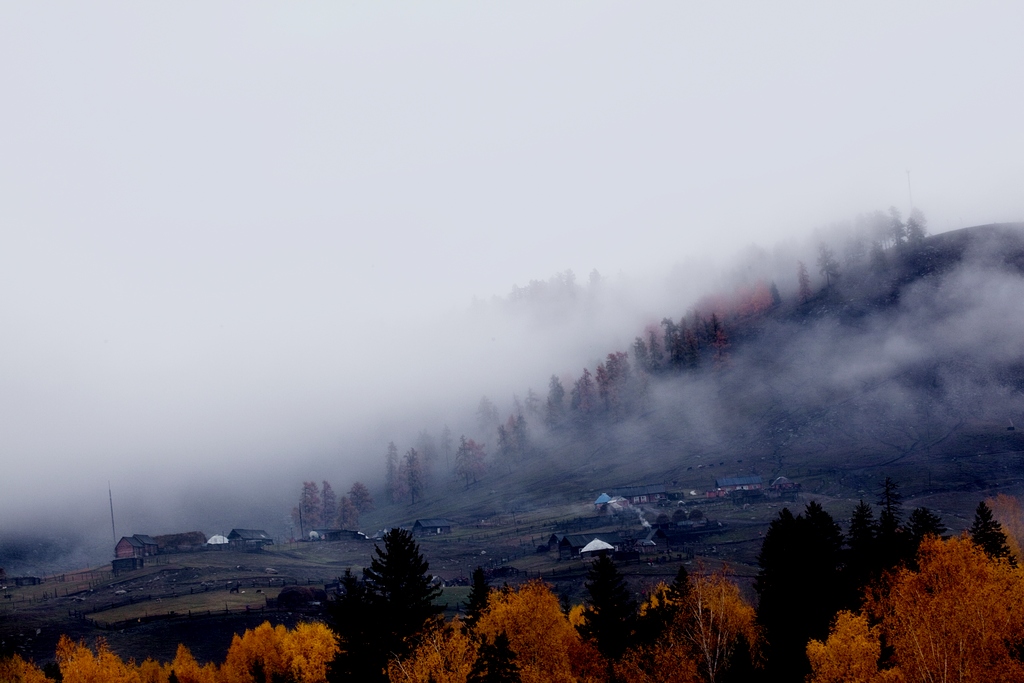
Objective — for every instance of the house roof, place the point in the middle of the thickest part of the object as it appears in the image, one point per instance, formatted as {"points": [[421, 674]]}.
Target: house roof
{"points": [[432, 522], [738, 481], [145, 539], [581, 540], [132, 541], [596, 545], [603, 498], [630, 491], [249, 535]]}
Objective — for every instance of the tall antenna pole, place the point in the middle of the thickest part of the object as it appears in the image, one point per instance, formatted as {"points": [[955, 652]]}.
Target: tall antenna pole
{"points": [[910, 194], [113, 531]]}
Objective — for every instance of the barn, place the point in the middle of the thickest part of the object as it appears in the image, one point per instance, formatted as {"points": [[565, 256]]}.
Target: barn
{"points": [[639, 495], [431, 527], [138, 545], [250, 538]]}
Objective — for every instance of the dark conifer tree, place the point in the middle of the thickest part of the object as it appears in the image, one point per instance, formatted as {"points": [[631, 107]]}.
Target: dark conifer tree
{"points": [[924, 522], [679, 589], [479, 593], [611, 610], [799, 587], [862, 551], [654, 622], [495, 663], [673, 343], [988, 534], [894, 544], [379, 617]]}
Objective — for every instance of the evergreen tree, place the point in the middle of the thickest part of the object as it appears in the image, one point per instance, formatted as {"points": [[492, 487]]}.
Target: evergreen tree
{"points": [[679, 590], [652, 625], [894, 544], [495, 663], [828, 265], [412, 474], [380, 616], [988, 534], [799, 587], [554, 413], [479, 593], [861, 555], [922, 523], [803, 283], [917, 227], [611, 610]]}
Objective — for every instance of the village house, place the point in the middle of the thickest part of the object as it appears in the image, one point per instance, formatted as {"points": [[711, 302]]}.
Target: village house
{"points": [[431, 527], [639, 495], [139, 545], [250, 539], [126, 564], [570, 545], [331, 535], [727, 486], [185, 542]]}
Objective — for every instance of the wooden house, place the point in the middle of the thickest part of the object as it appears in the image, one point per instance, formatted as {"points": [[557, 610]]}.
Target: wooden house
{"points": [[431, 527], [149, 545], [128, 546], [639, 495], [570, 545], [139, 545], [126, 564], [184, 542], [338, 534], [728, 486], [250, 538]]}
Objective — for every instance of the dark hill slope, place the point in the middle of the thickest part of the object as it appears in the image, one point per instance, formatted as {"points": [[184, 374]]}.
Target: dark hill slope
{"points": [[910, 370]]}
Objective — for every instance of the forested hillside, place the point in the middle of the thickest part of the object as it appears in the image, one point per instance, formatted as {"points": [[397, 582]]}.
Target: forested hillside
{"points": [[894, 351]]}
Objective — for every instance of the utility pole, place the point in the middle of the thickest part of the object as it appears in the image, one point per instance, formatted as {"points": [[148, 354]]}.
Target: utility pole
{"points": [[113, 531]]}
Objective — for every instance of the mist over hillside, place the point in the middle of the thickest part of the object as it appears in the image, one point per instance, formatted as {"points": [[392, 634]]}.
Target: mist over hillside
{"points": [[905, 364], [893, 364]]}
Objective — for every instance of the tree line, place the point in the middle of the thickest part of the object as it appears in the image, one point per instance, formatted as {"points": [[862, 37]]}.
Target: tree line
{"points": [[320, 508], [890, 600]]}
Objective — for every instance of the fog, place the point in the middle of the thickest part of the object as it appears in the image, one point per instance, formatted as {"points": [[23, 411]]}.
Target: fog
{"points": [[248, 245]]}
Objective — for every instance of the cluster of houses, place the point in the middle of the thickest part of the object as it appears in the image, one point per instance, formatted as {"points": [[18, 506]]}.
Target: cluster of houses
{"points": [[751, 488], [130, 552]]}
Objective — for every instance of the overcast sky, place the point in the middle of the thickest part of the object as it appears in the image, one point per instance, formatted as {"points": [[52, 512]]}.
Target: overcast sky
{"points": [[227, 229]]}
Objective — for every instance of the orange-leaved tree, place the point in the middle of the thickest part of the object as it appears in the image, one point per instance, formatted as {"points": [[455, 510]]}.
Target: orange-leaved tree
{"points": [[718, 622], [958, 617], [187, 670], [445, 655], [850, 654], [78, 664], [16, 670], [302, 654], [667, 659], [547, 648]]}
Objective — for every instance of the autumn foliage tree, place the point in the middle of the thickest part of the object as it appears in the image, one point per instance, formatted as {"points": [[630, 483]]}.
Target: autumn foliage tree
{"points": [[958, 617], [469, 460], [360, 497], [348, 514]]}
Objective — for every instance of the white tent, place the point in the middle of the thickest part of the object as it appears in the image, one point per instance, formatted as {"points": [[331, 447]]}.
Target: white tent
{"points": [[217, 539], [597, 545]]}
